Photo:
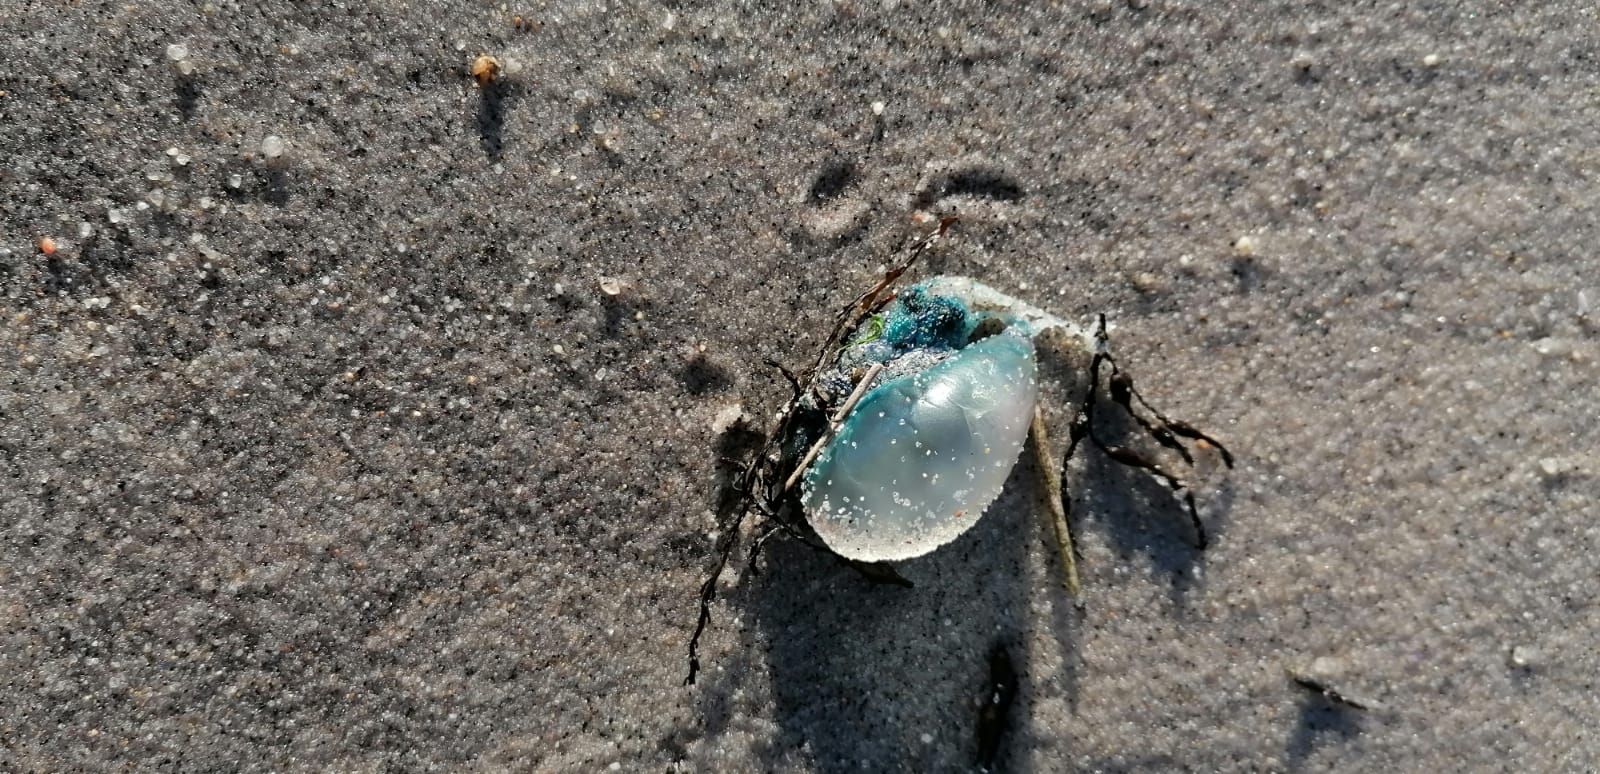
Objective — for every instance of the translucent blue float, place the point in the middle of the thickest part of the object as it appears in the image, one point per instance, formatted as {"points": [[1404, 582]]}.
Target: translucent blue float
{"points": [[930, 445]]}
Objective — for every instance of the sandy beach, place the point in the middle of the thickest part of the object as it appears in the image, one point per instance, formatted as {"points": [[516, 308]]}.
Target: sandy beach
{"points": [[363, 402]]}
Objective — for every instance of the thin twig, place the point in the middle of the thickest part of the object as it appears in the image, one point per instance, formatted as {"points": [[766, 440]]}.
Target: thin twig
{"points": [[867, 301], [833, 426], [1044, 459]]}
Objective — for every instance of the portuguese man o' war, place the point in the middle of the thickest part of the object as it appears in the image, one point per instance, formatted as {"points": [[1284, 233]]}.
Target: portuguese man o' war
{"points": [[927, 449], [905, 430]]}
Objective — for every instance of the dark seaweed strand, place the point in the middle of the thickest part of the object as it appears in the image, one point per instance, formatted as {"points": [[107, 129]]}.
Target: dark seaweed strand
{"points": [[763, 469], [1168, 426], [868, 302], [1120, 387], [725, 545]]}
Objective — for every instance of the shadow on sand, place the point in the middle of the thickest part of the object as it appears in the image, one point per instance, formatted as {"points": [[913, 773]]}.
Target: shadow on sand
{"points": [[873, 677]]}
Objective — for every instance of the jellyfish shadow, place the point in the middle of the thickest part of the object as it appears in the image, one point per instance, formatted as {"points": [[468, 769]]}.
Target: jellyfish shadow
{"points": [[881, 678], [875, 677], [278, 185]]}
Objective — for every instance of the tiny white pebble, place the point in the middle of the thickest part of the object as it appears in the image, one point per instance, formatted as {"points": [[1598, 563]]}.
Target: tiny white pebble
{"points": [[177, 52], [878, 107], [726, 417], [1245, 246], [927, 738], [1326, 666], [1525, 656], [272, 146], [1553, 347], [1431, 60], [611, 286], [559, 350]]}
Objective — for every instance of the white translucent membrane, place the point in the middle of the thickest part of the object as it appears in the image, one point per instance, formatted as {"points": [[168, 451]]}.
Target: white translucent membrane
{"points": [[922, 456], [1019, 314]]}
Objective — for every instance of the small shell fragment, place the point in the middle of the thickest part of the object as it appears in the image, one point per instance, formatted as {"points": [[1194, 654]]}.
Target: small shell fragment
{"points": [[272, 146], [485, 69]]}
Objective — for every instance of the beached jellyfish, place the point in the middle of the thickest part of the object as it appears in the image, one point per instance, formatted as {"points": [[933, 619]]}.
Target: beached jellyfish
{"points": [[905, 430], [930, 444]]}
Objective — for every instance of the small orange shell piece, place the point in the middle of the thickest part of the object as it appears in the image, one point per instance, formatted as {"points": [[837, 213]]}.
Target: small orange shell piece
{"points": [[485, 68], [47, 246]]}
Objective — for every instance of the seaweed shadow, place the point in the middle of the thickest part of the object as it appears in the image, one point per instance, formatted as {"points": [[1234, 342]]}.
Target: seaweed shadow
{"points": [[1139, 515], [1142, 515]]}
